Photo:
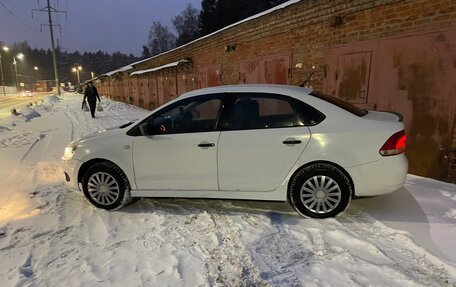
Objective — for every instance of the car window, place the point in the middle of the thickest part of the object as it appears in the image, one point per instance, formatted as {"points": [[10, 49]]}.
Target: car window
{"points": [[198, 115], [262, 111], [340, 103], [310, 115]]}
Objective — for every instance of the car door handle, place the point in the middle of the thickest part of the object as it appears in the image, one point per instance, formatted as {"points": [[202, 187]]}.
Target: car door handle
{"points": [[206, 144], [291, 141]]}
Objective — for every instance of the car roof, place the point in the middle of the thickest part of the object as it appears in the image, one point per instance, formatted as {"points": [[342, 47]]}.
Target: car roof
{"points": [[250, 88]]}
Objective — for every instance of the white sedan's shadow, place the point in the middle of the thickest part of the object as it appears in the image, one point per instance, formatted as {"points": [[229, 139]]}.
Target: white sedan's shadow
{"points": [[398, 206], [418, 208]]}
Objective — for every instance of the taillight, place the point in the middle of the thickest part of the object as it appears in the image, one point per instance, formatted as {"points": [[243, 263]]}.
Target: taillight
{"points": [[395, 144]]}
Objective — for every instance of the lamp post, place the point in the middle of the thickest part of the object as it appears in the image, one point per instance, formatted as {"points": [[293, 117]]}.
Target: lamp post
{"points": [[77, 69], [4, 48], [36, 78], [20, 56]]}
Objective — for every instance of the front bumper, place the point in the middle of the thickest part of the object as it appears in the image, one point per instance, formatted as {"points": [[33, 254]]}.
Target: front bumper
{"points": [[380, 177], [71, 168]]}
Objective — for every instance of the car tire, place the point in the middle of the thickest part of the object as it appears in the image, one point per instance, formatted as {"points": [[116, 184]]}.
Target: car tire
{"points": [[320, 190], [106, 186]]}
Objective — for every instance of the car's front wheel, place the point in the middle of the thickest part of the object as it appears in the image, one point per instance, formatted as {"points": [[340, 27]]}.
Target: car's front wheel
{"points": [[106, 186], [320, 190]]}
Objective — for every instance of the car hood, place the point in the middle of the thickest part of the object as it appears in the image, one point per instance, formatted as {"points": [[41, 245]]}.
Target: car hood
{"points": [[100, 135]]}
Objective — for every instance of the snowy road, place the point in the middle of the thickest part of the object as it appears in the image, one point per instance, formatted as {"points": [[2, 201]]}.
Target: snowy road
{"points": [[52, 237]]}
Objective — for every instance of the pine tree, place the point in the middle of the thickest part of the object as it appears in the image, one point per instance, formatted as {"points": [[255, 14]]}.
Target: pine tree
{"points": [[216, 14], [145, 53], [186, 25]]}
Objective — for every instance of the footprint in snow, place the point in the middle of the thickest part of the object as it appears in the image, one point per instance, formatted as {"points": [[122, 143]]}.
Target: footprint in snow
{"points": [[26, 268], [3, 232]]}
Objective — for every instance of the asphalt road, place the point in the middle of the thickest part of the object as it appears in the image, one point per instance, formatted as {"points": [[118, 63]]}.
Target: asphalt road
{"points": [[9, 102]]}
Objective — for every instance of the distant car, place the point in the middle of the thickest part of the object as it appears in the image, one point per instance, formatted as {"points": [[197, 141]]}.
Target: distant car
{"points": [[27, 94], [257, 142]]}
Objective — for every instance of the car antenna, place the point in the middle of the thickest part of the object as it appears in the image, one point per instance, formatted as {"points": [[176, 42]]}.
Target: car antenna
{"points": [[308, 78]]}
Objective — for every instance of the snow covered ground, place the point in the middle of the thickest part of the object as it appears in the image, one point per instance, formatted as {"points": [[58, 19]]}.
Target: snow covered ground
{"points": [[53, 237]]}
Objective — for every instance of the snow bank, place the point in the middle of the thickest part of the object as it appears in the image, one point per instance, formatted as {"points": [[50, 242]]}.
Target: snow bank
{"points": [[52, 99]]}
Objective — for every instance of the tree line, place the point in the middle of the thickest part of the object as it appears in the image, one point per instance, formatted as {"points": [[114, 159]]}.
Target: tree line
{"points": [[192, 23], [97, 62]]}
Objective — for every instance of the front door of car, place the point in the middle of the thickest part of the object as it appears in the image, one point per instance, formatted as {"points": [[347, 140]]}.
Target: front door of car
{"points": [[180, 149], [262, 138]]}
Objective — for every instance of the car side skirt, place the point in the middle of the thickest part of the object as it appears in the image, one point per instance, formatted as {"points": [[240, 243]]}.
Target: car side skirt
{"points": [[280, 194]]}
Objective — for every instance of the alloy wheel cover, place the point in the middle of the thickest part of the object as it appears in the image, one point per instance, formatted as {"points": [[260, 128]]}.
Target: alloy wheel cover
{"points": [[320, 194], [103, 188]]}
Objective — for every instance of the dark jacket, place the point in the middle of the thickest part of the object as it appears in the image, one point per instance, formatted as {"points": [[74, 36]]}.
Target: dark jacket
{"points": [[91, 94]]}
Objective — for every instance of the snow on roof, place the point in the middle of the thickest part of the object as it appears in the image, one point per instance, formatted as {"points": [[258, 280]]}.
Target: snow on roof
{"points": [[173, 64], [120, 70], [278, 7], [131, 66]]}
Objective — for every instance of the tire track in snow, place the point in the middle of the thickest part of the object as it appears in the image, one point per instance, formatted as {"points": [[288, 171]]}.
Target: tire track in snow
{"points": [[60, 246], [400, 249], [66, 113], [231, 254], [212, 237], [274, 257], [32, 146]]}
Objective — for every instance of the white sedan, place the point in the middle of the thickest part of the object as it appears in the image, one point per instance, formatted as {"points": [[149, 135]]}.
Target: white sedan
{"points": [[257, 142]]}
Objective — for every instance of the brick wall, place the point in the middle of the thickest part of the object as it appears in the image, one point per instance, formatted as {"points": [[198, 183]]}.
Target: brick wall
{"points": [[304, 30]]}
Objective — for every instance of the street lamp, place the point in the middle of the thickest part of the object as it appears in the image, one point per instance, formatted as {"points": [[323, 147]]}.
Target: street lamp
{"points": [[4, 48], [20, 56], [77, 69]]}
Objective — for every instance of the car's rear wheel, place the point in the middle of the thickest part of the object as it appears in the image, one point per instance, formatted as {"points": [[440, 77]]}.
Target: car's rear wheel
{"points": [[106, 186], [320, 190]]}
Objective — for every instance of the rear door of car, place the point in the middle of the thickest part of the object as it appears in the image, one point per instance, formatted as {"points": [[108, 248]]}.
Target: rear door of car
{"points": [[262, 137]]}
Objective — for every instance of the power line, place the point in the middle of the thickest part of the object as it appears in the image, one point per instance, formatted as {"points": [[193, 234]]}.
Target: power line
{"points": [[17, 9], [17, 18]]}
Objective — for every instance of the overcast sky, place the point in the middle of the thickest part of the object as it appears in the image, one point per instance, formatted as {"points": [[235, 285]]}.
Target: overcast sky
{"points": [[91, 25]]}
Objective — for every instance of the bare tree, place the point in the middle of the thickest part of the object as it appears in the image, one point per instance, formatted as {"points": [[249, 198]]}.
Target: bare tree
{"points": [[161, 39]]}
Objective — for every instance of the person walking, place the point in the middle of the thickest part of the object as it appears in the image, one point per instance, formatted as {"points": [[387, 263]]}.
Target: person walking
{"points": [[91, 94]]}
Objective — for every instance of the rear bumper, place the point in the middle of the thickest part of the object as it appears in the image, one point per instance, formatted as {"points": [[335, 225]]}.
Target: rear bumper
{"points": [[380, 177], [71, 169]]}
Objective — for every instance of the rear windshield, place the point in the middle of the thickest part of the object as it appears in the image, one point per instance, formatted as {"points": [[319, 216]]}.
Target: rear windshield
{"points": [[340, 103]]}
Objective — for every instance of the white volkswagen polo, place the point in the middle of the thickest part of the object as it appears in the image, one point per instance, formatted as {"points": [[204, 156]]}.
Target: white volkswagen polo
{"points": [[256, 142]]}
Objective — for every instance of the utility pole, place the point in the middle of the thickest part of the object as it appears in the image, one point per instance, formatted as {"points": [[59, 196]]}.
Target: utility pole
{"points": [[17, 78], [51, 10], [54, 58], [1, 72]]}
